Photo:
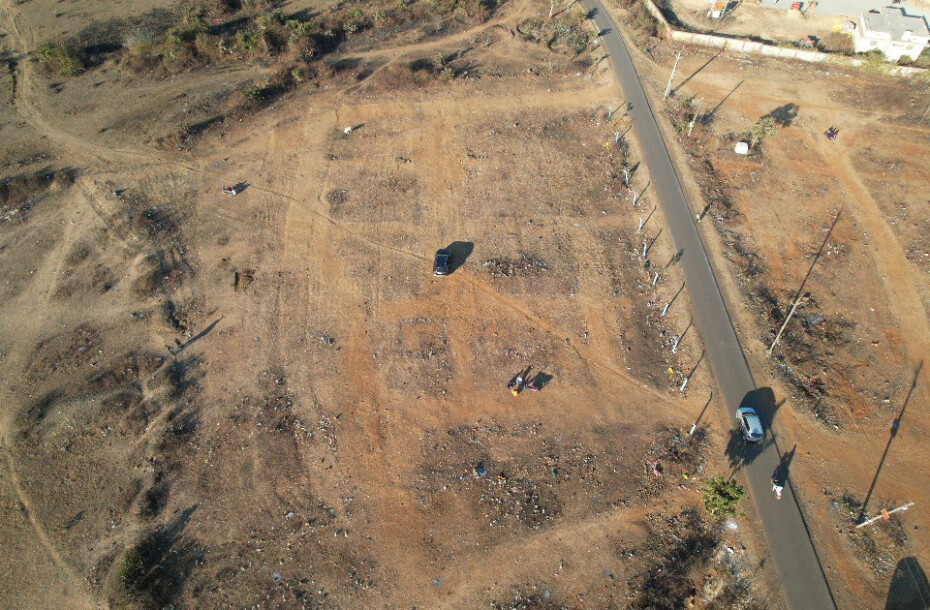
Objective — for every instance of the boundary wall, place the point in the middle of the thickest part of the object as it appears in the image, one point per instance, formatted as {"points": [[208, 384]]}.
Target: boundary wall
{"points": [[741, 45]]}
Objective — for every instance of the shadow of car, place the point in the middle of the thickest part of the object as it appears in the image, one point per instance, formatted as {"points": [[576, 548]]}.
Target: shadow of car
{"points": [[459, 251]]}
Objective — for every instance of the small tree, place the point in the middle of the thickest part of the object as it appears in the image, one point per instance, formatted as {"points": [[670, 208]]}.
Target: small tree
{"points": [[765, 127], [722, 498]]}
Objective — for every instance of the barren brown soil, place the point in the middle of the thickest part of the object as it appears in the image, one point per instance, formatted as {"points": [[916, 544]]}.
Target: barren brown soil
{"points": [[268, 400], [753, 21]]}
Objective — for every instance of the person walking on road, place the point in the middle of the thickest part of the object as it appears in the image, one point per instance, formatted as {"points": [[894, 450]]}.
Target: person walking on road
{"points": [[777, 489]]}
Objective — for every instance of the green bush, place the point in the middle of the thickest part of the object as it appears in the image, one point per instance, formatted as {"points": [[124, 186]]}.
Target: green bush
{"points": [[721, 498], [61, 59], [193, 24], [922, 61], [300, 29], [248, 40], [873, 61], [765, 127]]}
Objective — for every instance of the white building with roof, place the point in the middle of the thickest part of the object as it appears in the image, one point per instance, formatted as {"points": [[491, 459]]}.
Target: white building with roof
{"points": [[893, 32]]}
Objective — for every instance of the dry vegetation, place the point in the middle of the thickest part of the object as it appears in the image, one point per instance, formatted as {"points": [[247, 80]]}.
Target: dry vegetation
{"points": [[19, 193], [293, 49], [266, 400], [823, 339]]}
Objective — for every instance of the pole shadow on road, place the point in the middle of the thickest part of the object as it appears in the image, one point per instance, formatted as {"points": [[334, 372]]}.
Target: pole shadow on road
{"points": [[909, 589]]}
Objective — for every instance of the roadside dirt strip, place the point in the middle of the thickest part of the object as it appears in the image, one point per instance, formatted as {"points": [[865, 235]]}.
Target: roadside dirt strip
{"points": [[802, 577]]}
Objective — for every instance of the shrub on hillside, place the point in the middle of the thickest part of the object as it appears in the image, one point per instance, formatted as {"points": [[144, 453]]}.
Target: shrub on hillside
{"points": [[62, 58], [721, 498]]}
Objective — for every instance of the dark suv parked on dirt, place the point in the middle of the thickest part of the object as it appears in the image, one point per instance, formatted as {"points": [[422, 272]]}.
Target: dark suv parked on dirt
{"points": [[441, 266]]}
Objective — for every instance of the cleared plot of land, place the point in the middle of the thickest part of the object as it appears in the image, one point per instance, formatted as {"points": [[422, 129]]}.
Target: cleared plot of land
{"points": [[268, 400]]}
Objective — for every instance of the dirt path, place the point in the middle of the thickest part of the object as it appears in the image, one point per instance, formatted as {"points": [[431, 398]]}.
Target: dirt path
{"points": [[24, 41], [906, 304], [516, 11], [542, 554], [80, 594]]}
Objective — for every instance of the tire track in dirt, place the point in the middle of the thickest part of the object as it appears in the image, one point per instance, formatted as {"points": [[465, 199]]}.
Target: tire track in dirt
{"points": [[397, 52], [541, 552], [302, 235], [584, 354], [904, 301], [85, 599]]}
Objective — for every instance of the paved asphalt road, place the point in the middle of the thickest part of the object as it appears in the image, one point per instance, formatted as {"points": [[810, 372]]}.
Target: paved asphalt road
{"points": [[802, 578]]}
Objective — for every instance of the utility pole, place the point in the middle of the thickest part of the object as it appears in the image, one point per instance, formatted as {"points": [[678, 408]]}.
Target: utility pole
{"points": [[671, 78], [885, 514], [694, 115], [684, 384], [801, 292], [797, 302]]}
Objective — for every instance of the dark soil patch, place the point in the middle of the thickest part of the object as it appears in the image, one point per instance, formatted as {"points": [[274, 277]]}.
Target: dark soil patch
{"points": [[19, 193], [525, 265], [523, 478]]}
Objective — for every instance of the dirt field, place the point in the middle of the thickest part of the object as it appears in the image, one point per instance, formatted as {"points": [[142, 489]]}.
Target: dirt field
{"points": [[268, 400], [757, 23], [852, 358]]}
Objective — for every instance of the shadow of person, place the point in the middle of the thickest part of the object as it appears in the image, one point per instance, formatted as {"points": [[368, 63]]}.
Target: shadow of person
{"points": [[541, 380], [909, 589], [460, 250], [784, 466], [241, 186]]}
